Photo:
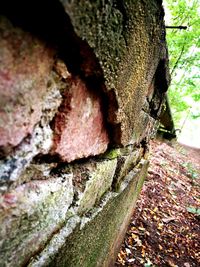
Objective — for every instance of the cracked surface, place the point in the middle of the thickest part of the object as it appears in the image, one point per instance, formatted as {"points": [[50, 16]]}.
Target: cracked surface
{"points": [[128, 38], [25, 67], [83, 78]]}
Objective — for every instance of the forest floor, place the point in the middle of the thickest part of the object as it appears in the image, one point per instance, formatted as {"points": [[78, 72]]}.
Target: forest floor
{"points": [[165, 227]]}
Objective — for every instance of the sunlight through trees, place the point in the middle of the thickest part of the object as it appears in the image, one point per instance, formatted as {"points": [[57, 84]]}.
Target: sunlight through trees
{"points": [[184, 55]]}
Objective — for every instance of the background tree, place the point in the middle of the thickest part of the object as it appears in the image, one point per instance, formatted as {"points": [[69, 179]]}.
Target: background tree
{"points": [[184, 54]]}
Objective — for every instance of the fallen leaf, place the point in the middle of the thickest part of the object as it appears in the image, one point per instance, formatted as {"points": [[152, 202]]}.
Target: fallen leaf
{"points": [[131, 260], [160, 226], [134, 236], [128, 251], [168, 219], [171, 264], [141, 228], [143, 251]]}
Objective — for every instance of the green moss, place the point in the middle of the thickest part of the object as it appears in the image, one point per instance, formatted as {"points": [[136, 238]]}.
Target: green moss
{"points": [[96, 244], [112, 154], [127, 39], [38, 215], [99, 182]]}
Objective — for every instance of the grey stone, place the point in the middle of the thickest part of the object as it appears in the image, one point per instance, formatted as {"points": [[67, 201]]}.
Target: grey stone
{"points": [[30, 215]]}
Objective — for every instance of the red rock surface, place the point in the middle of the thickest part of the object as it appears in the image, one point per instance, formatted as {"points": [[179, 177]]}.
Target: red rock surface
{"points": [[79, 129], [25, 62]]}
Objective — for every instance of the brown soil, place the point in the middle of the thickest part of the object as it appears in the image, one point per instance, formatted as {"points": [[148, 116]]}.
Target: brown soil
{"points": [[165, 228]]}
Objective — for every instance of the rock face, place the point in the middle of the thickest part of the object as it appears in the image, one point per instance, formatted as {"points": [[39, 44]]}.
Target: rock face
{"points": [[82, 85], [25, 66], [128, 39], [79, 128]]}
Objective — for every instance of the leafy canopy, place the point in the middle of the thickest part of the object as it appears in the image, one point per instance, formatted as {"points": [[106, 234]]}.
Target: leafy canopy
{"points": [[184, 55]]}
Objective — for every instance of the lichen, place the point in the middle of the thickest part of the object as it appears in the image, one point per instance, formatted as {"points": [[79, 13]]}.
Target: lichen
{"points": [[40, 141], [39, 211], [93, 244], [100, 181]]}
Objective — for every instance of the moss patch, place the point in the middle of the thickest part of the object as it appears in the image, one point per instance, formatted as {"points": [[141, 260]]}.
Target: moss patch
{"points": [[96, 244]]}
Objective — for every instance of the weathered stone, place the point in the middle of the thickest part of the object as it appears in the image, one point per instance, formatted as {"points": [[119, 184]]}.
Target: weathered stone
{"points": [[144, 128], [79, 129], [100, 180], [125, 164], [166, 119], [106, 74], [25, 65], [96, 244], [128, 38], [40, 141], [30, 215], [127, 159]]}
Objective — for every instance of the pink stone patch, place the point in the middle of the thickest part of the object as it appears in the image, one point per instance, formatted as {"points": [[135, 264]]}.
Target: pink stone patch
{"points": [[79, 129], [25, 63]]}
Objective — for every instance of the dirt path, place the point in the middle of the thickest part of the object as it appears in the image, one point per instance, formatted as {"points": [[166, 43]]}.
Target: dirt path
{"points": [[165, 227]]}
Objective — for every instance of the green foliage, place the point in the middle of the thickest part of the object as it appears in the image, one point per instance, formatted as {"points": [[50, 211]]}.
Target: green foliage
{"points": [[184, 55], [190, 170], [195, 211], [148, 263]]}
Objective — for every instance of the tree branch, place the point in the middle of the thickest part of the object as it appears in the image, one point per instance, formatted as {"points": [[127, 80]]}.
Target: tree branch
{"points": [[176, 27], [177, 61]]}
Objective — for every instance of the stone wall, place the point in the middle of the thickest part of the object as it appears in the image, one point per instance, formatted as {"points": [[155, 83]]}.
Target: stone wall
{"points": [[81, 89]]}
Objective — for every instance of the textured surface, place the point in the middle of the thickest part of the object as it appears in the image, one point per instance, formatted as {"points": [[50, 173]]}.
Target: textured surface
{"points": [[100, 181], [79, 129], [96, 243], [25, 65], [81, 89], [30, 215], [128, 39]]}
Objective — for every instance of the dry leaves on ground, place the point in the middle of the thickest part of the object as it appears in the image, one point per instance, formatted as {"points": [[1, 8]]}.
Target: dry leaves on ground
{"points": [[165, 229]]}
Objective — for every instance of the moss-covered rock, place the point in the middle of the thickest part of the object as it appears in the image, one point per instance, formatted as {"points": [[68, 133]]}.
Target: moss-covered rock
{"points": [[75, 214], [100, 181], [128, 40], [96, 243], [30, 215]]}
